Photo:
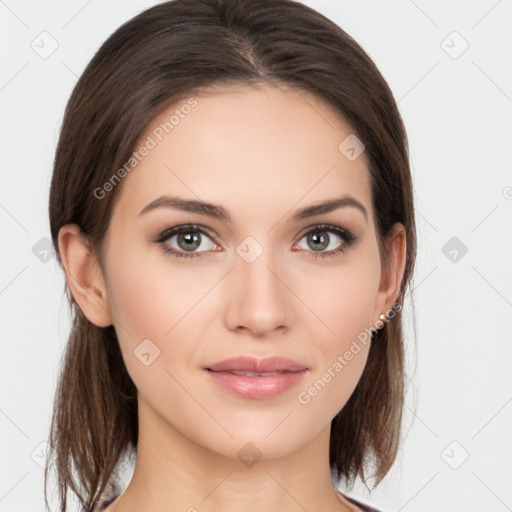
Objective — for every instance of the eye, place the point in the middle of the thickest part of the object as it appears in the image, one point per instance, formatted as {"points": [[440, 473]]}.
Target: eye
{"points": [[319, 239], [184, 241], [187, 239]]}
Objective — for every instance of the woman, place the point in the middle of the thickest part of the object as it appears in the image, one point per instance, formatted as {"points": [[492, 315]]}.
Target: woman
{"points": [[232, 205]]}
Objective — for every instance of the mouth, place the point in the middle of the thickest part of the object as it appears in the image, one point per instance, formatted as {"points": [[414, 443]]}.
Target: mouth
{"points": [[257, 378], [257, 374], [252, 364]]}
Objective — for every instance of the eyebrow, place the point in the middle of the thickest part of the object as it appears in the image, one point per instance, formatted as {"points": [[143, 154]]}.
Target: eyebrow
{"points": [[218, 212]]}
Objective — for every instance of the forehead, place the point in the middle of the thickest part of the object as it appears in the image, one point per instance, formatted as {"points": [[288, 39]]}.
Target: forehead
{"points": [[246, 148]]}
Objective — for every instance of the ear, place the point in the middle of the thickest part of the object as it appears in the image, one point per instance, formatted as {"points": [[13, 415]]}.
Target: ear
{"points": [[84, 275], [392, 271]]}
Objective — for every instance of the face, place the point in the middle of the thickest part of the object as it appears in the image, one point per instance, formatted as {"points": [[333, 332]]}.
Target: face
{"points": [[188, 290]]}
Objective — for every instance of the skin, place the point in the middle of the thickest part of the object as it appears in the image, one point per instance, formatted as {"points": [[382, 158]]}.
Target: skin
{"points": [[261, 154]]}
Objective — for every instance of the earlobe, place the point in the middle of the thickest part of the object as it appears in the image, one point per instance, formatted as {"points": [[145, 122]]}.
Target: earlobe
{"points": [[84, 275], [393, 270]]}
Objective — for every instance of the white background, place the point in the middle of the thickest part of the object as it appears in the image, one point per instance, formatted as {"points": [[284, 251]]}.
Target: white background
{"points": [[458, 114]]}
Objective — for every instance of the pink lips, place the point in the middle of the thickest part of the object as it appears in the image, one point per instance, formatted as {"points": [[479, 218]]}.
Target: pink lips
{"points": [[257, 378]]}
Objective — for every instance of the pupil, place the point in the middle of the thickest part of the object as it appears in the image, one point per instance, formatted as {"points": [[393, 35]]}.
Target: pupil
{"points": [[319, 238], [192, 240]]}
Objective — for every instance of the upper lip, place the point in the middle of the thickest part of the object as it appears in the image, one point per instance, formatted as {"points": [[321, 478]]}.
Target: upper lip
{"points": [[252, 364]]}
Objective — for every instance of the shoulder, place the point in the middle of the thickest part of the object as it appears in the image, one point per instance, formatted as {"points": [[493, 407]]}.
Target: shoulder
{"points": [[362, 506]]}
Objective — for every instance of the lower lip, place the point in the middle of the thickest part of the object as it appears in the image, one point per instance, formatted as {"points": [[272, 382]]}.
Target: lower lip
{"points": [[257, 387]]}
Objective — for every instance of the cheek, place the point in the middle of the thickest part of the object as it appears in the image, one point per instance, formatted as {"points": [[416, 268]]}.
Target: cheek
{"points": [[152, 299], [343, 298], [345, 301], [149, 304], [135, 300], [146, 296]]}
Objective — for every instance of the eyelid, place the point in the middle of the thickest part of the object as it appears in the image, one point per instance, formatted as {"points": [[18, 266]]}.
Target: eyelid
{"points": [[167, 233], [327, 227]]}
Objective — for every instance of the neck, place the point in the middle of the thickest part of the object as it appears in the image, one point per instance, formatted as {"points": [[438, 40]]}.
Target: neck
{"points": [[173, 473]]}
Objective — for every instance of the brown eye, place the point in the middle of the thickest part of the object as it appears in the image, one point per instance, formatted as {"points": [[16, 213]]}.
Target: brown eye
{"points": [[189, 242], [327, 240], [183, 241], [319, 240]]}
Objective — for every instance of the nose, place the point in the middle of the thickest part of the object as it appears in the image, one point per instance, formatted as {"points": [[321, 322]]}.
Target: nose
{"points": [[258, 298]]}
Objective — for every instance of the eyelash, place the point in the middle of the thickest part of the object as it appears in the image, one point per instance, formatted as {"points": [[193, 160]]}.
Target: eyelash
{"points": [[347, 237]]}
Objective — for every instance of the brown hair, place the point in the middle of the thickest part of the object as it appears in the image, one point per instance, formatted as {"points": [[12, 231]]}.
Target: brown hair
{"points": [[169, 52]]}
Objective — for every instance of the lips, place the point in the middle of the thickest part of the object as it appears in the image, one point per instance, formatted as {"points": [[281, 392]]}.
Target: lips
{"points": [[257, 378], [251, 364]]}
